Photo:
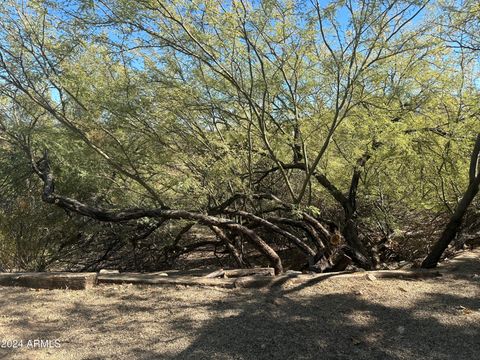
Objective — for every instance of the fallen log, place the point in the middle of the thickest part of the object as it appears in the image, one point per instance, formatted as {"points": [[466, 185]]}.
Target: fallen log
{"points": [[235, 273], [258, 281], [148, 279], [108, 271], [264, 275], [58, 280], [297, 279], [215, 274]]}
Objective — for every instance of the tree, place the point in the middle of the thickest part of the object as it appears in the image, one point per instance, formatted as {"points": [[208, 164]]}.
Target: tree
{"points": [[463, 20], [455, 222], [274, 123]]}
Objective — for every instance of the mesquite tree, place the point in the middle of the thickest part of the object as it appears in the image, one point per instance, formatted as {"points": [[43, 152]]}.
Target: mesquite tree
{"points": [[461, 32], [252, 119]]}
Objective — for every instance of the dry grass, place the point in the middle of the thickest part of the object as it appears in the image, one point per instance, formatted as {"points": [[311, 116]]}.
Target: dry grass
{"points": [[330, 319]]}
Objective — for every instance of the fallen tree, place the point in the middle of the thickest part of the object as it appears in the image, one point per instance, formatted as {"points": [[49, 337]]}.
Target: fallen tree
{"points": [[221, 226]]}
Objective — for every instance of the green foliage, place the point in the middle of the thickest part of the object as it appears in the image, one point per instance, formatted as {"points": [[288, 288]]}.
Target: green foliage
{"points": [[190, 102]]}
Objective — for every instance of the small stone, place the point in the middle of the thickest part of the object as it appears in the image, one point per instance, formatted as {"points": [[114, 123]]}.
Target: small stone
{"points": [[401, 329], [371, 277]]}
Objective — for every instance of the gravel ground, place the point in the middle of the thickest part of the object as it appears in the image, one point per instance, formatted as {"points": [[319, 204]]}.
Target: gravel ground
{"points": [[331, 319]]}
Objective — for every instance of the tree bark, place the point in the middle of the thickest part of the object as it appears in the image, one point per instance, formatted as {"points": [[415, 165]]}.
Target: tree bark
{"points": [[453, 226], [348, 202], [274, 228], [358, 250], [455, 222], [42, 169], [53, 280], [234, 253]]}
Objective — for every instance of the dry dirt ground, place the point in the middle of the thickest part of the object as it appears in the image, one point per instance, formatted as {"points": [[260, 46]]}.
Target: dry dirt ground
{"points": [[335, 318]]}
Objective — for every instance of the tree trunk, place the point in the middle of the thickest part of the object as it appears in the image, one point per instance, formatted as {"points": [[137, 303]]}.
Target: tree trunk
{"points": [[453, 225], [455, 222], [359, 253], [234, 253]]}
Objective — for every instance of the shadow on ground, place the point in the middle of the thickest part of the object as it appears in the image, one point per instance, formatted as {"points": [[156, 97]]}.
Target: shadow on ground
{"points": [[329, 319], [339, 327]]}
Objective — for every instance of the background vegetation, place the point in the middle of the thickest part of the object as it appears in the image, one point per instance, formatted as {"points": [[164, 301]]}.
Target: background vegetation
{"points": [[304, 134]]}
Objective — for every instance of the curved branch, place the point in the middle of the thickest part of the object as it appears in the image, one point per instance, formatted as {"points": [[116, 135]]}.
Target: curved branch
{"points": [[42, 169], [272, 227], [306, 227], [230, 247]]}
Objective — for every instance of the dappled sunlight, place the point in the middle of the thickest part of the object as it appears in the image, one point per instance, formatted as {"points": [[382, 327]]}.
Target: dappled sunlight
{"points": [[342, 318]]}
